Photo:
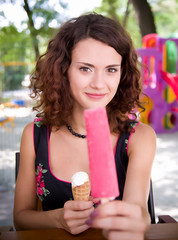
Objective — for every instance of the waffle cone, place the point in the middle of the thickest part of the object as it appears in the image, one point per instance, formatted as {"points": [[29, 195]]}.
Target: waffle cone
{"points": [[82, 192]]}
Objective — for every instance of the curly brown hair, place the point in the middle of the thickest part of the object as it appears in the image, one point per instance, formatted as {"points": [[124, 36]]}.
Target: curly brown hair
{"points": [[50, 84]]}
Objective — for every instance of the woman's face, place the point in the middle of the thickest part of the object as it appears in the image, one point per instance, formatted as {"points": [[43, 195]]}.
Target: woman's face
{"points": [[94, 74]]}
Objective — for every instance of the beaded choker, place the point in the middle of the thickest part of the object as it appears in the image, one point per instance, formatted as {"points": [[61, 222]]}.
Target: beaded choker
{"points": [[74, 133]]}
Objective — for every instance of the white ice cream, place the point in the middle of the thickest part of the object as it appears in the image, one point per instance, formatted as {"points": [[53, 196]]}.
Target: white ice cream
{"points": [[79, 178]]}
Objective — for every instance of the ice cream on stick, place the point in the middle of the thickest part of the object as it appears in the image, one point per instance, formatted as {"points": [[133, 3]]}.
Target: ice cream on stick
{"points": [[80, 186], [103, 176]]}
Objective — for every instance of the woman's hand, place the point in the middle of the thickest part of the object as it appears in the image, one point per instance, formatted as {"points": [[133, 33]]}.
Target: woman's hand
{"points": [[75, 214], [120, 220]]}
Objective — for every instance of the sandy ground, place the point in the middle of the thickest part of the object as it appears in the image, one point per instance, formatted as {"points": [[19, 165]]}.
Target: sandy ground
{"points": [[164, 172]]}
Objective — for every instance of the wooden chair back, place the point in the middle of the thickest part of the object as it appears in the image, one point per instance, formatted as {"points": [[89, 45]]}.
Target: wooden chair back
{"points": [[17, 162]]}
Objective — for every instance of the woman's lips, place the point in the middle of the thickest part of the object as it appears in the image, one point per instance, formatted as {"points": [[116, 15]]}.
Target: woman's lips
{"points": [[95, 96]]}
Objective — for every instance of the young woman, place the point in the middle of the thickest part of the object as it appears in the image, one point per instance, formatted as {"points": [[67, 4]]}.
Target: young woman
{"points": [[90, 63]]}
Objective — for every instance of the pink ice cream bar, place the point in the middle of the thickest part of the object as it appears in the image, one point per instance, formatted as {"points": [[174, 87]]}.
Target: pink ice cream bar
{"points": [[103, 176]]}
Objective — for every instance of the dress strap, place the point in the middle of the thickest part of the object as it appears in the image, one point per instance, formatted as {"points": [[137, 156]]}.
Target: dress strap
{"points": [[121, 158], [39, 135]]}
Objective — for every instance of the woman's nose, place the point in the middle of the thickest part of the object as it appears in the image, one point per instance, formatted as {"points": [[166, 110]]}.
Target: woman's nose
{"points": [[97, 81]]}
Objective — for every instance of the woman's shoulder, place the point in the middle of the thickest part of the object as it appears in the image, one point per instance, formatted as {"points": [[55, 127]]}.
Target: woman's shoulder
{"points": [[143, 135], [28, 128], [144, 130], [27, 137]]}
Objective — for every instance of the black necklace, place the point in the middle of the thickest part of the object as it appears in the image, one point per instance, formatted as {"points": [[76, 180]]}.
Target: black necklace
{"points": [[74, 133]]}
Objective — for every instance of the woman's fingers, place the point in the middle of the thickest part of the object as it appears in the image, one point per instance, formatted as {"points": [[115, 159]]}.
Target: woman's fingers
{"points": [[84, 214], [78, 205], [78, 229], [115, 235], [120, 208], [76, 220], [120, 220], [75, 214], [76, 223], [118, 223]]}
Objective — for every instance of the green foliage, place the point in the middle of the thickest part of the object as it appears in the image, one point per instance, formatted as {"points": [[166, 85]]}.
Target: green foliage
{"points": [[13, 76], [164, 12], [47, 14], [13, 45], [117, 11], [15, 49], [166, 17], [112, 7], [43, 15]]}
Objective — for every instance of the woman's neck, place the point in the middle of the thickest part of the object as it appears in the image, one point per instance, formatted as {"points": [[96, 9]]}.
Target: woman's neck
{"points": [[77, 122]]}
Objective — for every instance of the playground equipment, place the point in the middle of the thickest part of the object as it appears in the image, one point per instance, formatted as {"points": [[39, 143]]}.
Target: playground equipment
{"points": [[4, 118], [160, 82]]}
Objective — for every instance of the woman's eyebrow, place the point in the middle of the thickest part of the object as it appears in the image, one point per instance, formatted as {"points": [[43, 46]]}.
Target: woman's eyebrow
{"points": [[113, 65], [87, 64], [91, 65]]}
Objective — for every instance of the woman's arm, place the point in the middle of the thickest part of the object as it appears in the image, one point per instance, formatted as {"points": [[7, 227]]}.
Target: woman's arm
{"points": [[25, 202], [141, 153], [129, 218], [71, 218]]}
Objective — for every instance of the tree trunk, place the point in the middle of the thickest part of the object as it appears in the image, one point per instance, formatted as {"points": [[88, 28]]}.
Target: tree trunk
{"points": [[32, 28], [145, 16], [126, 14]]}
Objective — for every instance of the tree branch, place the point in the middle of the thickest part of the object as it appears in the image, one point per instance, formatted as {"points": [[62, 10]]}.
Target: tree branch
{"points": [[32, 28]]}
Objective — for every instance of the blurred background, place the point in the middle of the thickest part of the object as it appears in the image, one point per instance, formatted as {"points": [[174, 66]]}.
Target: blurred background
{"points": [[25, 29]]}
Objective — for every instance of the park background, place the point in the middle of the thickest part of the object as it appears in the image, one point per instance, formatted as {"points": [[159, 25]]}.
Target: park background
{"points": [[25, 29]]}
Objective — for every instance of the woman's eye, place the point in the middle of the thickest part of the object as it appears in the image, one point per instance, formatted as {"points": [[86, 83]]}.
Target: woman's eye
{"points": [[85, 69], [112, 70]]}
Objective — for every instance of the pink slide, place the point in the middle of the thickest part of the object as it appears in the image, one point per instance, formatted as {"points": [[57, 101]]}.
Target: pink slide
{"points": [[103, 176]]}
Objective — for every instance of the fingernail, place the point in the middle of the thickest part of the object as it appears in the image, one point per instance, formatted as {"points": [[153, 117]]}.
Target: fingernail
{"points": [[89, 222], [94, 214], [98, 203]]}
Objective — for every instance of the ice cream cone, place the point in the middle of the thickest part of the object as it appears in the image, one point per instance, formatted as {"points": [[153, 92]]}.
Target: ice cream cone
{"points": [[82, 192], [80, 186]]}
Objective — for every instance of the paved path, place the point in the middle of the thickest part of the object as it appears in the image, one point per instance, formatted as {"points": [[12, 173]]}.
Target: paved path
{"points": [[9, 144], [164, 173]]}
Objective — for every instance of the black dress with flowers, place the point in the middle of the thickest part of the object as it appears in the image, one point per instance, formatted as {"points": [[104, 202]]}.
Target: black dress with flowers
{"points": [[53, 192]]}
